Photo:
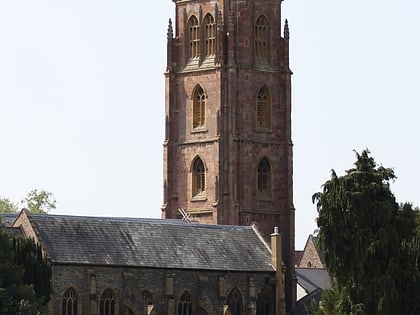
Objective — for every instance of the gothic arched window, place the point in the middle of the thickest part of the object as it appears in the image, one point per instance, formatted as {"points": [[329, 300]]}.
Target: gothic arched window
{"points": [[199, 107], [193, 37], [198, 177], [261, 39], [210, 35], [148, 300], [264, 177], [263, 303], [263, 110], [107, 303], [234, 301], [185, 304], [70, 302]]}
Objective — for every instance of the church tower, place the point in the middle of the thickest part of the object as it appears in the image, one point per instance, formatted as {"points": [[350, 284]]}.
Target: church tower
{"points": [[228, 147]]}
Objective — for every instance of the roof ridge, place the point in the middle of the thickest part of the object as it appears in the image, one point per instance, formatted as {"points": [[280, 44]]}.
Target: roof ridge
{"points": [[144, 220]]}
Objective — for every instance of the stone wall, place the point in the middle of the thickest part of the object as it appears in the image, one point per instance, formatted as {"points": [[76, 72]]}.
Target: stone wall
{"points": [[208, 289], [310, 256]]}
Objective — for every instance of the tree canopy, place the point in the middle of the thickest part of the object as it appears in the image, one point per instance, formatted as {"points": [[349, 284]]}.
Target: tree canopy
{"points": [[6, 206], [371, 244], [37, 201]]}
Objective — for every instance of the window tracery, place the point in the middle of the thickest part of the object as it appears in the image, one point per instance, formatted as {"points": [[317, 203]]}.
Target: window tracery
{"points": [[234, 301], [198, 177], [149, 302], [185, 304], [261, 39], [264, 177], [263, 303], [263, 109], [70, 302], [107, 303], [199, 107], [193, 37], [210, 35]]}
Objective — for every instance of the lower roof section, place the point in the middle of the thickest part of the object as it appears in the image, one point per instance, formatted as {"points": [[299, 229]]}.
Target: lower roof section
{"points": [[153, 243]]}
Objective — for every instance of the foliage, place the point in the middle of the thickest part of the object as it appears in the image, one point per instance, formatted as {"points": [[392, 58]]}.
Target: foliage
{"points": [[369, 241], [335, 301], [36, 202], [6, 206], [37, 271], [21, 292], [39, 201]]}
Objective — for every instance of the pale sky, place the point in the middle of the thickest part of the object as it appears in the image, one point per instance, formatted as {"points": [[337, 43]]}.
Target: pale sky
{"points": [[82, 99]]}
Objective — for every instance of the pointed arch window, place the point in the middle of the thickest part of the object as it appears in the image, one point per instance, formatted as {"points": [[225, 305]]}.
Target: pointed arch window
{"points": [[185, 304], [261, 39], [199, 107], [149, 302], [198, 177], [107, 303], [263, 111], [264, 303], [234, 301], [210, 35], [193, 37], [70, 302], [264, 177]]}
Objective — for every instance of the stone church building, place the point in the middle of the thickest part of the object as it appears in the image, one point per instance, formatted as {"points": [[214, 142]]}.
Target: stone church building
{"points": [[227, 172], [131, 266]]}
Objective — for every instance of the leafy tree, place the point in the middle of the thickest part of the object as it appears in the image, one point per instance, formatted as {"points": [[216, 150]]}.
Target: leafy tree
{"points": [[39, 201], [370, 242], [21, 292], [6, 206]]}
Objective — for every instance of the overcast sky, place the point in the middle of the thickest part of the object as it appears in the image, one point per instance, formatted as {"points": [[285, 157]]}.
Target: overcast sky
{"points": [[82, 99]]}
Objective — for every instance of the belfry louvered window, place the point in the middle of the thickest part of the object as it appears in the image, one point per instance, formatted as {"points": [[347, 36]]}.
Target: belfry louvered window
{"points": [[70, 302], [264, 177], [261, 39], [198, 177], [107, 303], [263, 109], [199, 107], [185, 304], [210, 35], [193, 37]]}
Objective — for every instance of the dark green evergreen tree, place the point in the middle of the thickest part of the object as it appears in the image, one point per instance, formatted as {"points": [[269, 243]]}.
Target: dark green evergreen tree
{"points": [[24, 276], [370, 242]]}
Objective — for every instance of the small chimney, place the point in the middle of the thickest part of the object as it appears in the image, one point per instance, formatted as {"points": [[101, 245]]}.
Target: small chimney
{"points": [[277, 262]]}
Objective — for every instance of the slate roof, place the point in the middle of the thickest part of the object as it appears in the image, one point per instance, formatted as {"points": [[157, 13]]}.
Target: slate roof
{"points": [[8, 218], [155, 243], [312, 279], [297, 257], [303, 303]]}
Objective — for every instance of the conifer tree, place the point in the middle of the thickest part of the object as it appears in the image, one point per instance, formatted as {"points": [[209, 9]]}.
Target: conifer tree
{"points": [[369, 241], [24, 276]]}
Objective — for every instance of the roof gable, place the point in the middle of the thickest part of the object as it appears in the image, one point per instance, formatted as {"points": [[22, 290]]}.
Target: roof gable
{"points": [[312, 256]]}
